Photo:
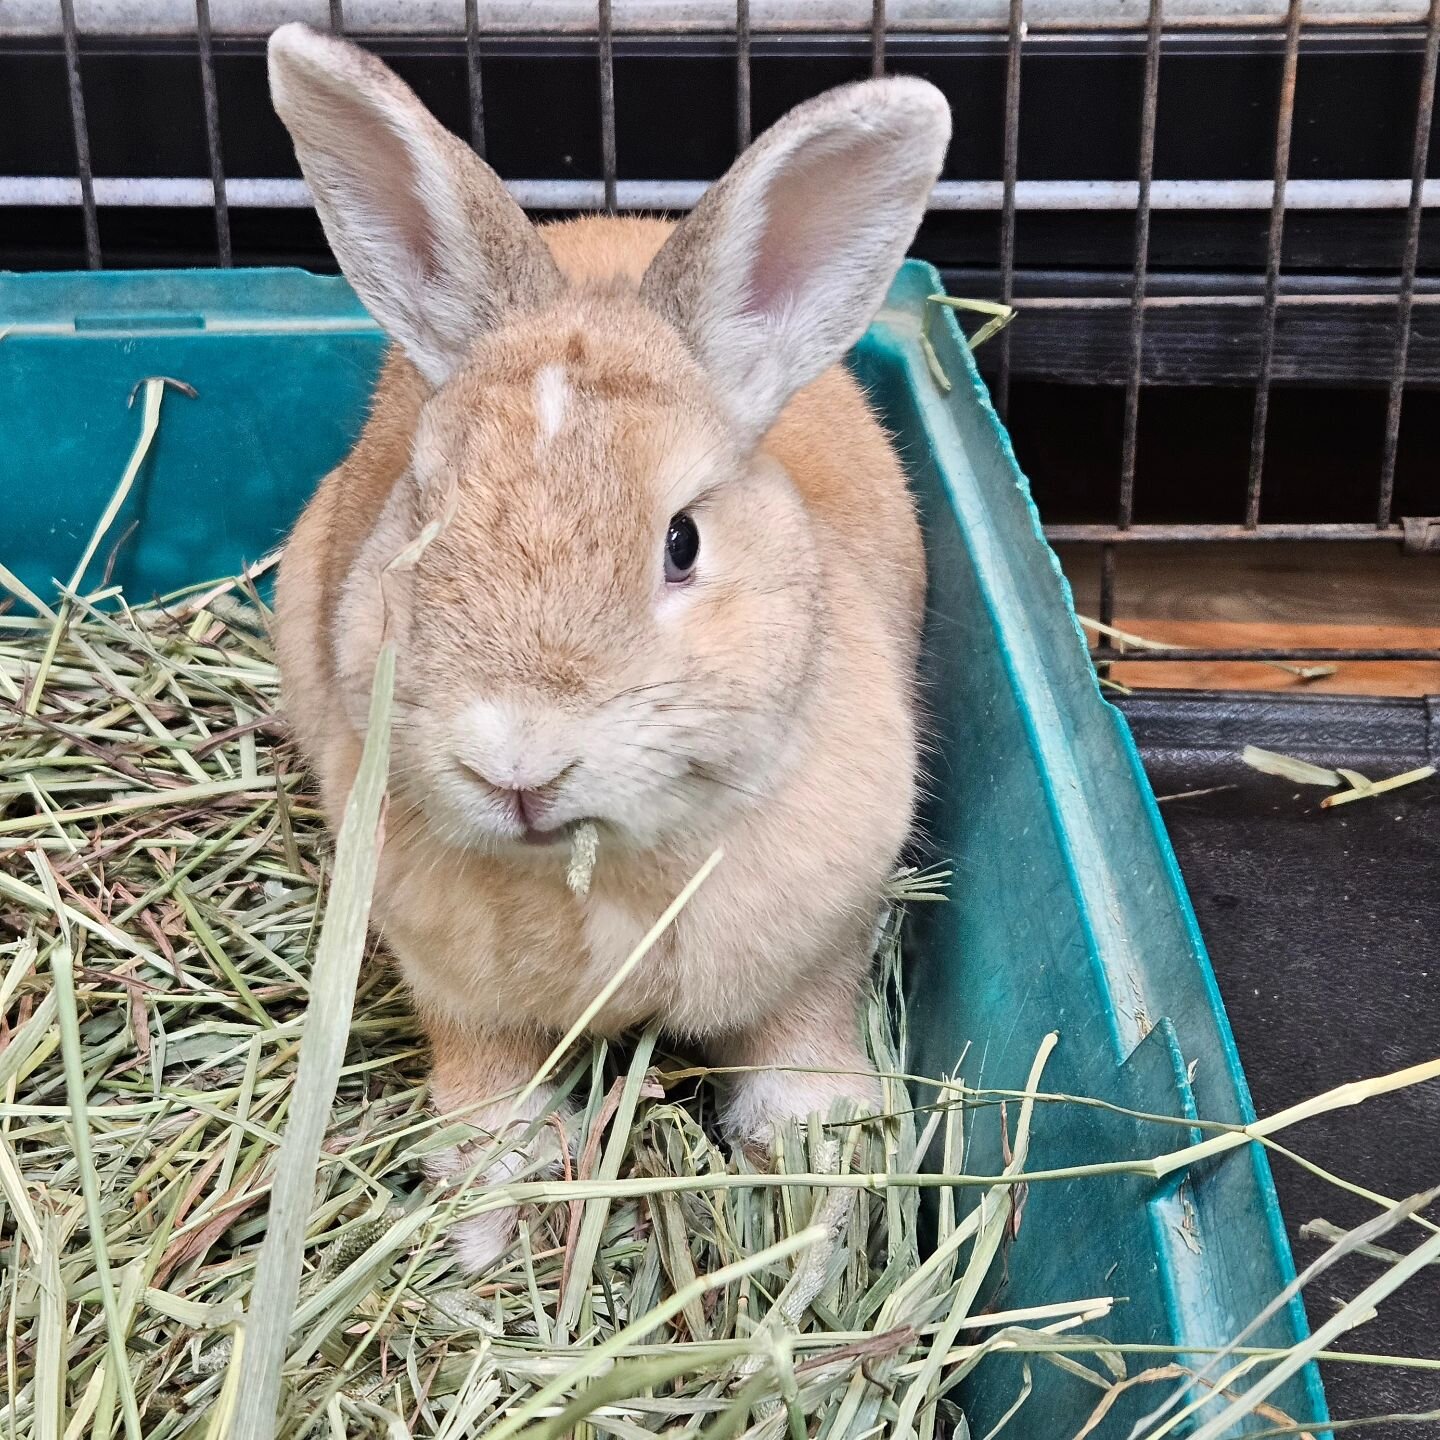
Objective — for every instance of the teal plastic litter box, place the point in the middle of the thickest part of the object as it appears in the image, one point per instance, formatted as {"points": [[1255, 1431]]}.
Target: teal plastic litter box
{"points": [[1068, 911]]}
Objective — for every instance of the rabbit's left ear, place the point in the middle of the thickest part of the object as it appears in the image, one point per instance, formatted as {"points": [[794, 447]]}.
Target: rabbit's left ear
{"points": [[422, 227], [784, 262]]}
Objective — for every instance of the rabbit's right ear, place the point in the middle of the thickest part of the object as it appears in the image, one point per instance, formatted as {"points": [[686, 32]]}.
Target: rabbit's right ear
{"points": [[422, 227], [785, 260]]}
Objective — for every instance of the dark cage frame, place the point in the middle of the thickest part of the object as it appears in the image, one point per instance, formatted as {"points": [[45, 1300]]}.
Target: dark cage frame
{"points": [[1129, 313]]}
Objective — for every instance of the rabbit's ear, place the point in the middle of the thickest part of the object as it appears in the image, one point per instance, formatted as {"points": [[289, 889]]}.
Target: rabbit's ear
{"points": [[784, 262], [421, 226]]}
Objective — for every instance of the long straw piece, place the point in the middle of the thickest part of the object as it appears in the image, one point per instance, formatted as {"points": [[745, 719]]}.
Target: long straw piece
{"points": [[337, 964]]}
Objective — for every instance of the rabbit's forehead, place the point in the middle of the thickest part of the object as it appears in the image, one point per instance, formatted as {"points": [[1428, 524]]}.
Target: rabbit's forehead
{"points": [[533, 439], [587, 366]]}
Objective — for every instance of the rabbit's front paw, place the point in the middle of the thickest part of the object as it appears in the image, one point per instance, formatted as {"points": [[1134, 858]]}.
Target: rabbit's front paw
{"points": [[477, 1243]]}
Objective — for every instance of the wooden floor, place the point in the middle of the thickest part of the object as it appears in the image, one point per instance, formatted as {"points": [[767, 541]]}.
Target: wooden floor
{"points": [[1271, 596]]}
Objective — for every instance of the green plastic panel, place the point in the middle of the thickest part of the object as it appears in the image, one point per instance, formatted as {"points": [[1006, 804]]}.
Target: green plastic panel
{"points": [[282, 364], [1068, 910], [1069, 914]]}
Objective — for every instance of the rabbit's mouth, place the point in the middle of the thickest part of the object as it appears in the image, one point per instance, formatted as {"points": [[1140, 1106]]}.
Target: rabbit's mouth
{"points": [[556, 835]]}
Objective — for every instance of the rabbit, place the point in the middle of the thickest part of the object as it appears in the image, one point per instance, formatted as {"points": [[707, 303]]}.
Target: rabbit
{"points": [[675, 590]]}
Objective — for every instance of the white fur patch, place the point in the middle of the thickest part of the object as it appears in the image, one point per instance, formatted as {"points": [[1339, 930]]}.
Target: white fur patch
{"points": [[552, 399], [760, 1100], [480, 1240]]}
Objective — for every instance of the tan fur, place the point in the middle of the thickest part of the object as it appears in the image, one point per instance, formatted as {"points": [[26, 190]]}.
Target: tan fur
{"points": [[783, 682]]}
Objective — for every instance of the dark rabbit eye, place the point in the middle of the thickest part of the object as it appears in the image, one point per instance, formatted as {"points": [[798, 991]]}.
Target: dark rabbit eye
{"points": [[682, 548]]}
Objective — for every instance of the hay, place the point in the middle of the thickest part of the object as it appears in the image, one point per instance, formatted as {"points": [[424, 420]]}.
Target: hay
{"points": [[1302, 772], [164, 872], [165, 853], [1122, 638], [584, 850]]}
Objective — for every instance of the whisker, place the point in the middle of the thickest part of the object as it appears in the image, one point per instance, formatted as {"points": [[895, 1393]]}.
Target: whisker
{"points": [[705, 773]]}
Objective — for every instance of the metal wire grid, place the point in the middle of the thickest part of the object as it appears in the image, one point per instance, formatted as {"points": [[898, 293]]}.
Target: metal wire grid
{"points": [[1412, 534]]}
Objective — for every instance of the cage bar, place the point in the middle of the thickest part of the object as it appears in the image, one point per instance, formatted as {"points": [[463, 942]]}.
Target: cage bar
{"points": [[1183, 533], [212, 130], [1110, 655], [83, 172], [742, 74], [1149, 108], [1145, 175], [877, 37], [1039, 196], [337, 17], [1284, 124], [1405, 300], [716, 17], [606, 26], [1107, 584], [472, 65], [1014, 42]]}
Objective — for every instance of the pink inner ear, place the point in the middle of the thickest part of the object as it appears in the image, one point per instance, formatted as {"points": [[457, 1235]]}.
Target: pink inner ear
{"points": [[383, 178], [814, 207], [396, 188]]}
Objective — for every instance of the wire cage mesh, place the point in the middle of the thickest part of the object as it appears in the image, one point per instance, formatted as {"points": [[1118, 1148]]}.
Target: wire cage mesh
{"points": [[1320, 271]]}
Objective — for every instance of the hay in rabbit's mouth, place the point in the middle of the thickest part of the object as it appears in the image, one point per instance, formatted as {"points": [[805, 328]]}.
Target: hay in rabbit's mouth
{"points": [[165, 878], [584, 851]]}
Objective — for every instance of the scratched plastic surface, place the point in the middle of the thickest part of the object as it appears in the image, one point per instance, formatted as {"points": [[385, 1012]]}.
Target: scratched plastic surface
{"points": [[1068, 910]]}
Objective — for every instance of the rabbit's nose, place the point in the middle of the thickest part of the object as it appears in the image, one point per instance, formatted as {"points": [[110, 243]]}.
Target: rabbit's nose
{"points": [[518, 757], [529, 801]]}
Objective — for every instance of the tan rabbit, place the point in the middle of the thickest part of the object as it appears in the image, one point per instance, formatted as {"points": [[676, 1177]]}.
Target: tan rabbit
{"points": [[678, 593]]}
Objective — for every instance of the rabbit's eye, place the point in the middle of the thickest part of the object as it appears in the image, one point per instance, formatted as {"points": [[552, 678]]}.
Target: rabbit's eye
{"points": [[682, 548]]}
